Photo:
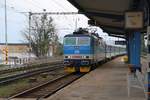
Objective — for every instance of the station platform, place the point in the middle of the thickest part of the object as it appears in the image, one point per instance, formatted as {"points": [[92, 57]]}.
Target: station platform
{"points": [[107, 82]]}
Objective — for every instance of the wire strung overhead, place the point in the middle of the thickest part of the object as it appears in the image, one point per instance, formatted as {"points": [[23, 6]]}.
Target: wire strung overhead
{"points": [[34, 3], [63, 8]]}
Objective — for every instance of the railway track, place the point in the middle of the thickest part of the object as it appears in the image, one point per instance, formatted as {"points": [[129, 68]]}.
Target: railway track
{"points": [[26, 68], [6, 80], [47, 89]]}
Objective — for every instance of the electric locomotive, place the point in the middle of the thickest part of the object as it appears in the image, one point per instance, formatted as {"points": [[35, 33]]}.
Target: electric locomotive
{"points": [[82, 51]]}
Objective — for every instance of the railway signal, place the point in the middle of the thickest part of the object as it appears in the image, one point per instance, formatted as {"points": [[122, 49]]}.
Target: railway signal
{"points": [[5, 51]]}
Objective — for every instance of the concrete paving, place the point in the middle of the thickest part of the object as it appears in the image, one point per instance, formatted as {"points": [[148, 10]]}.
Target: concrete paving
{"points": [[108, 82]]}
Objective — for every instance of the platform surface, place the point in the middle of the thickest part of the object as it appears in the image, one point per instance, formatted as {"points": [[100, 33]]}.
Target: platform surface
{"points": [[108, 82]]}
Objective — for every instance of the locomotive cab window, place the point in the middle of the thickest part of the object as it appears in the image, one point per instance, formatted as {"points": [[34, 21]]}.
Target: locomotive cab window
{"points": [[70, 41], [84, 41]]}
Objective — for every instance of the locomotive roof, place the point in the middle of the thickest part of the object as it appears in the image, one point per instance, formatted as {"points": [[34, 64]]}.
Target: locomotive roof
{"points": [[81, 35], [70, 35]]}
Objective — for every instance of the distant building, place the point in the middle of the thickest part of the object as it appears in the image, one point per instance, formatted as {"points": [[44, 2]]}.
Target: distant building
{"points": [[15, 47], [15, 50], [20, 50]]}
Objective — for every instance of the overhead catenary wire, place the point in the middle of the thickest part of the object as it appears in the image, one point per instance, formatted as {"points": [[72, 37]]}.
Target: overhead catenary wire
{"points": [[60, 5], [15, 5], [34, 4], [51, 13], [56, 3], [9, 20], [11, 8]]}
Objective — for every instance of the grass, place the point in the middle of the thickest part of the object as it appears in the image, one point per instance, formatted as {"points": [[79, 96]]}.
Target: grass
{"points": [[7, 90], [20, 85], [2, 65], [10, 89]]}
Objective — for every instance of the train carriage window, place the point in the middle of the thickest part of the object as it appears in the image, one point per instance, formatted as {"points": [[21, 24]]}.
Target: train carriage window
{"points": [[83, 41], [70, 41]]}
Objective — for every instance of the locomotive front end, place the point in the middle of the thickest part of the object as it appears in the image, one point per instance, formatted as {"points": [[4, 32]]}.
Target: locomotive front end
{"points": [[77, 53]]}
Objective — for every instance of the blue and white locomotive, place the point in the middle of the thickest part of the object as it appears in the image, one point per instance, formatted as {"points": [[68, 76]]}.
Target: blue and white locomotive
{"points": [[82, 51]]}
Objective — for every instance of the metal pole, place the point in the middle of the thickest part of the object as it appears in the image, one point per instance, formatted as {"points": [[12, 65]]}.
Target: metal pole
{"points": [[30, 14], [44, 24], [76, 24], [6, 43], [6, 23]]}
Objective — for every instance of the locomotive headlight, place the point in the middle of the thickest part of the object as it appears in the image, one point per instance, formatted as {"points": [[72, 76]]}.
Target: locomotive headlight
{"points": [[83, 57], [67, 56], [87, 56]]}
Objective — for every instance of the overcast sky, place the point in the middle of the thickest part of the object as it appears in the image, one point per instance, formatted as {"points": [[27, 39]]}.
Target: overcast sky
{"points": [[17, 20]]}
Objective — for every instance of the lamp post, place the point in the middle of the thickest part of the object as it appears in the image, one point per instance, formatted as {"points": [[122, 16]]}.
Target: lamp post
{"points": [[6, 43], [30, 14], [6, 23]]}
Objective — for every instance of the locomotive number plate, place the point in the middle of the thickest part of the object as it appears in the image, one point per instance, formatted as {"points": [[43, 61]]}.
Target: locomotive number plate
{"points": [[76, 56]]}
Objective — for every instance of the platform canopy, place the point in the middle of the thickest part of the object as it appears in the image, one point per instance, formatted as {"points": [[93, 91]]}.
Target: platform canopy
{"points": [[109, 14]]}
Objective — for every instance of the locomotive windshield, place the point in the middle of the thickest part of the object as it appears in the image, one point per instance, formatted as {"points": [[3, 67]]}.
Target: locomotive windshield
{"points": [[81, 41], [70, 41]]}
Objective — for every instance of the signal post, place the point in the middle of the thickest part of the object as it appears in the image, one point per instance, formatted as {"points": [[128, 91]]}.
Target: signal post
{"points": [[5, 52]]}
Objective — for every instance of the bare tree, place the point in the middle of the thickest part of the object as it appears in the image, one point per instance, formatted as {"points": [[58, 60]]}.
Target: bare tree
{"points": [[43, 34]]}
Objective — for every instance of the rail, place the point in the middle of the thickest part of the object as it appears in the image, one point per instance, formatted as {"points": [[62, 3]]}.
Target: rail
{"points": [[6, 80], [46, 89]]}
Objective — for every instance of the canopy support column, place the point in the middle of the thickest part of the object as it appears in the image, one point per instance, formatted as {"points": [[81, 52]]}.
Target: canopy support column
{"points": [[148, 58], [134, 50]]}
